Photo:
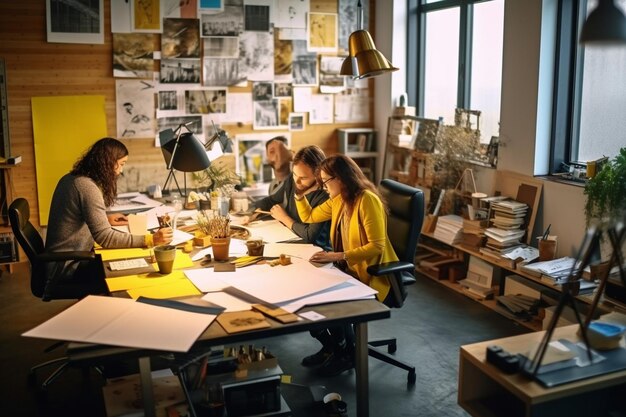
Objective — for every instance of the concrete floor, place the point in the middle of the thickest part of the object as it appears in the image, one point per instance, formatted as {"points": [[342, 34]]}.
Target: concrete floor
{"points": [[430, 328]]}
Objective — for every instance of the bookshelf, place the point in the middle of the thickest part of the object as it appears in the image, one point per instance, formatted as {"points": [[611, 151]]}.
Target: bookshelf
{"points": [[361, 145], [455, 256]]}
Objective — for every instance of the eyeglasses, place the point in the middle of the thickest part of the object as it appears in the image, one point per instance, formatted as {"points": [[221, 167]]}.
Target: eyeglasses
{"points": [[327, 181]]}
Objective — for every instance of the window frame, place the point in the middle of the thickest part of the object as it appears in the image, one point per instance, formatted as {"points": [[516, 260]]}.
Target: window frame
{"points": [[417, 10], [568, 73]]}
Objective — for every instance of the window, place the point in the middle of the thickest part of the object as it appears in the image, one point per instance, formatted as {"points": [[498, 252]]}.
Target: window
{"points": [[458, 59], [587, 120]]}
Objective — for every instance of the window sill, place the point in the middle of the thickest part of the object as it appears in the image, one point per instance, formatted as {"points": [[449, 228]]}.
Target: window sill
{"points": [[561, 179]]}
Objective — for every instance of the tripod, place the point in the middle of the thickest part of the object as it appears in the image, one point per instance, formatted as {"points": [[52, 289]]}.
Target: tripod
{"points": [[588, 250]]}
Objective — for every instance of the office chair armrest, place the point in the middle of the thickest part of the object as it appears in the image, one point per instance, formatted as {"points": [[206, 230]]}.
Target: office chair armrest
{"points": [[66, 256], [390, 268]]}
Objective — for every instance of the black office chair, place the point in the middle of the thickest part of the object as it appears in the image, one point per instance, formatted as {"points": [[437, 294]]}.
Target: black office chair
{"points": [[31, 242], [404, 223]]}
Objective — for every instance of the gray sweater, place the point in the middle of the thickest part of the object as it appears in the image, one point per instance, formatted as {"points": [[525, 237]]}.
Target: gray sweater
{"points": [[78, 219]]}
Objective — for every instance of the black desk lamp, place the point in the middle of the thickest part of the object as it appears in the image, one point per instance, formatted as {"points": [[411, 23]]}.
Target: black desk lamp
{"points": [[182, 152]]}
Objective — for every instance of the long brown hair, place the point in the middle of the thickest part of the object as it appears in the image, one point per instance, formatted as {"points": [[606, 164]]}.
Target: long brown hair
{"points": [[353, 181], [99, 162]]}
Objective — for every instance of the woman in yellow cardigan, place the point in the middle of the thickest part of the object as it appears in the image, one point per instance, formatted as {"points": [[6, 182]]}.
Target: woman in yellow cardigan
{"points": [[358, 234]]}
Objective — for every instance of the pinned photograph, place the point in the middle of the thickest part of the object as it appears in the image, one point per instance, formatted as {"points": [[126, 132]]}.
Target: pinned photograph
{"points": [[180, 38], [221, 47], [296, 121], [220, 71], [322, 36], [75, 22], [205, 101], [133, 55], [227, 23], [183, 71]]}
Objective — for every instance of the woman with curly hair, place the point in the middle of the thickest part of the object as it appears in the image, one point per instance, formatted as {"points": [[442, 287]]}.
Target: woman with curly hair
{"points": [[78, 216], [358, 234]]}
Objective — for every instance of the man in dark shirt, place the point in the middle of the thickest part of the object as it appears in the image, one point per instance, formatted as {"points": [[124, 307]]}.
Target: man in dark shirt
{"points": [[282, 205], [279, 157]]}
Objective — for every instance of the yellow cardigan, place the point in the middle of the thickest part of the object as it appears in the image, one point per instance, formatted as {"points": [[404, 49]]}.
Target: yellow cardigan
{"points": [[368, 243]]}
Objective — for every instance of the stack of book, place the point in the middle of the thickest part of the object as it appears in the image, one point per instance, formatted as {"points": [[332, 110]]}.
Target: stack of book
{"points": [[473, 236], [508, 214], [503, 240], [449, 229]]}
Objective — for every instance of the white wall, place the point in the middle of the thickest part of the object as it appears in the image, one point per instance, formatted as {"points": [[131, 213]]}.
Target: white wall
{"points": [[526, 83], [390, 38]]}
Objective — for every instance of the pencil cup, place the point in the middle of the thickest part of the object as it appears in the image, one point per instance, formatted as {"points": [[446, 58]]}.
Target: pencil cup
{"points": [[547, 248], [255, 246], [165, 256]]}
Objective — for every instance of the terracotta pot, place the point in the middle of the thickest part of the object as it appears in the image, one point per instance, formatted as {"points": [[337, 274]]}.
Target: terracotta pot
{"points": [[220, 248]]}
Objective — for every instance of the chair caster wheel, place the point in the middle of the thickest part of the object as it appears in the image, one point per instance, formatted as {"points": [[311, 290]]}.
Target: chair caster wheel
{"points": [[392, 347], [411, 378]]}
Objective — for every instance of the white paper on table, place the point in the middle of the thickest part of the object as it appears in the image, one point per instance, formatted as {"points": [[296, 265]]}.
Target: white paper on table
{"points": [[206, 279], [283, 283], [352, 289], [133, 202], [302, 251], [227, 301], [125, 322], [180, 237], [271, 231]]}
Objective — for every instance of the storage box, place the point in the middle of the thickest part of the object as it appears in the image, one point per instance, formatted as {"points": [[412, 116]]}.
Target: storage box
{"points": [[122, 396], [257, 393]]}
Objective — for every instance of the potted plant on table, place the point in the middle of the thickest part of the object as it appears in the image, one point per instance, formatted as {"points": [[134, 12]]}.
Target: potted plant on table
{"points": [[217, 228]]}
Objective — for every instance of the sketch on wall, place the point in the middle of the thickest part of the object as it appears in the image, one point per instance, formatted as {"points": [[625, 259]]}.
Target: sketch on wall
{"points": [[205, 101], [174, 71], [292, 13], [133, 55], [135, 108], [256, 56], [227, 23], [168, 100], [194, 123], [145, 16], [262, 91], [330, 80], [266, 114], [322, 36], [283, 58], [347, 20], [180, 38], [220, 72], [282, 89], [221, 47], [75, 22]]}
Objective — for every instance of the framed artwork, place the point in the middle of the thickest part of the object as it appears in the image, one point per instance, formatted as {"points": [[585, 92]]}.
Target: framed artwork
{"points": [[75, 22]]}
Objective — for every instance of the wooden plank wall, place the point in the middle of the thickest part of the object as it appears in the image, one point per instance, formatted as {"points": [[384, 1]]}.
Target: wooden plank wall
{"points": [[37, 68]]}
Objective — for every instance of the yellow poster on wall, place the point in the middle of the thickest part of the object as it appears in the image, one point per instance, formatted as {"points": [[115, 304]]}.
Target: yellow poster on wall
{"points": [[63, 128]]}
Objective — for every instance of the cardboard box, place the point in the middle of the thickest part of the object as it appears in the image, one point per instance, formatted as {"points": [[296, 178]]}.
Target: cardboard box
{"points": [[122, 396]]}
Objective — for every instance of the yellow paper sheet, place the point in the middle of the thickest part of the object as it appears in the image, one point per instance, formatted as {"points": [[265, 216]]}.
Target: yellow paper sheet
{"points": [[182, 260], [129, 253], [63, 128], [143, 280], [178, 288]]}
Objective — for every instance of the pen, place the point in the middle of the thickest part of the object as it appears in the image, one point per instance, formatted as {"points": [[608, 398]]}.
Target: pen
{"points": [[546, 233]]}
